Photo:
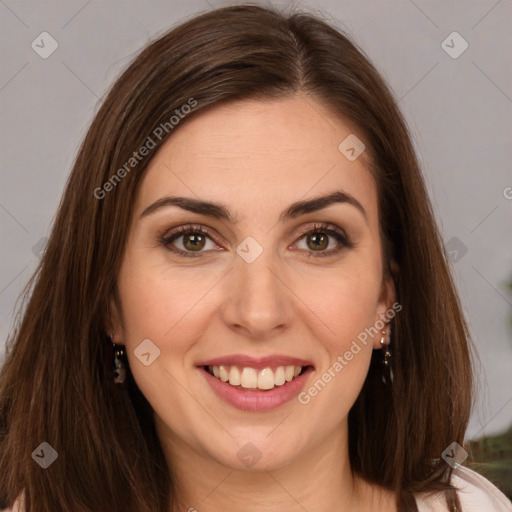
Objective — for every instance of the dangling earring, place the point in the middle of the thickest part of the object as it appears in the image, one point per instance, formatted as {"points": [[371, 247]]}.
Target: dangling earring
{"points": [[387, 372], [119, 366]]}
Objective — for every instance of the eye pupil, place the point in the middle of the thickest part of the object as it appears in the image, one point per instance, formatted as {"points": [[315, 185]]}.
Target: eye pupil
{"points": [[196, 241], [320, 241]]}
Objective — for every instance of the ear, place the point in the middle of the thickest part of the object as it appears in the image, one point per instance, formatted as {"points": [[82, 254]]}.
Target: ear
{"points": [[386, 306]]}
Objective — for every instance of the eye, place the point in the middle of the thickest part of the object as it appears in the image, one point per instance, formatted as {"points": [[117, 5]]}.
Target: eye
{"points": [[318, 239], [187, 240]]}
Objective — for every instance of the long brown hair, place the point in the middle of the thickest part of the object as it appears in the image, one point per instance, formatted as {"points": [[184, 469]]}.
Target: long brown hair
{"points": [[57, 380]]}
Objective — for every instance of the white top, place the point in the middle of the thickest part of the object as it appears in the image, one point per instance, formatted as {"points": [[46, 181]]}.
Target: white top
{"points": [[476, 494]]}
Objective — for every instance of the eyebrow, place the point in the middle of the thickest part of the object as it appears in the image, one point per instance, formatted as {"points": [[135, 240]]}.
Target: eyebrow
{"points": [[220, 211]]}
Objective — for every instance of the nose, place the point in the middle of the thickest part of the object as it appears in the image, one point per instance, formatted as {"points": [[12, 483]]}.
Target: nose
{"points": [[258, 301]]}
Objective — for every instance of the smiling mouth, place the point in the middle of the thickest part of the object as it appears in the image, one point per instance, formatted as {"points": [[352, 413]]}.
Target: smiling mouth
{"points": [[248, 378]]}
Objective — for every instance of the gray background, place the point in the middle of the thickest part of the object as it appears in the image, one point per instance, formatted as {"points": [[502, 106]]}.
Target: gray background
{"points": [[459, 111]]}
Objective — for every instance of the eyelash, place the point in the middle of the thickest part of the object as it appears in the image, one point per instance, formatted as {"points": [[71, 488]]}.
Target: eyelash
{"points": [[340, 236]]}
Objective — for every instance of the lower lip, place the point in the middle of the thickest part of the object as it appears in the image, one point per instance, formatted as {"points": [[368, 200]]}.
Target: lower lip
{"points": [[255, 400]]}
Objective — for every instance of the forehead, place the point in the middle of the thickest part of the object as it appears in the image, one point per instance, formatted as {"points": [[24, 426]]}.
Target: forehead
{"points": [[250, 153]]}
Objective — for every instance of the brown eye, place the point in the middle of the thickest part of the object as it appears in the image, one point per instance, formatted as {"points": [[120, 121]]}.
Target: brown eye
{"points": [[194, 242], [189, 241], [317, 241], [324, 240]]}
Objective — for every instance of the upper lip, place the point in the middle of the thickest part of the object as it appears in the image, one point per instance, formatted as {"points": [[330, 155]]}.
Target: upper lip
{"points": [[255, 362]]}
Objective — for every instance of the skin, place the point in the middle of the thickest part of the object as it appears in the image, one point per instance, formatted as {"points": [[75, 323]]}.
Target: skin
{"points": [[256, 158]]}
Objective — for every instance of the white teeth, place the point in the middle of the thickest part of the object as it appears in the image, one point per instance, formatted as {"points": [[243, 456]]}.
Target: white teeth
{"points": [[250, 378], [223, 374], [234, 376], [279, 379], [266, 379]]}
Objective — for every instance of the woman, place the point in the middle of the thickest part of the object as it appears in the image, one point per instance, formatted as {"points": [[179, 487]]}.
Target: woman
{"points": [[244, 303]]}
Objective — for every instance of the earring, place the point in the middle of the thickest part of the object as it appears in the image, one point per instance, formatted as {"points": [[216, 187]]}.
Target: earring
{"points": [[387, 372], [119, 366]]}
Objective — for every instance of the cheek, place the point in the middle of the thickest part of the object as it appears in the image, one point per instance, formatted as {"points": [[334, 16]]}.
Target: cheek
{"points": [[165, 308], [340, 311], [158, 303], [344, 304], [172, 310], [346, 308]]}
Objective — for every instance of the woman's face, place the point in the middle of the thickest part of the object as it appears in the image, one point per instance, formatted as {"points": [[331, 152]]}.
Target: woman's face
{"points": [[258, 292]]}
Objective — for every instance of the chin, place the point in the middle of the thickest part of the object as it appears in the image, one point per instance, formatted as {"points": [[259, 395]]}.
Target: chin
{"points": [[258, 451]]}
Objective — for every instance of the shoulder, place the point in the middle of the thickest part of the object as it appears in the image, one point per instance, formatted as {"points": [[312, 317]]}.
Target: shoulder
{"points": [[475, 492]]}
